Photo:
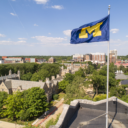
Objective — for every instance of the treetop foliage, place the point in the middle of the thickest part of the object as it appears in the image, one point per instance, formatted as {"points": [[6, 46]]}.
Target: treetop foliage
{"points": [[25, 105], [32, 71]]}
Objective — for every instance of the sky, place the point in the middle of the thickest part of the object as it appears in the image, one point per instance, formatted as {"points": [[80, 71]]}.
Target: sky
{"points": [[43, 27]]}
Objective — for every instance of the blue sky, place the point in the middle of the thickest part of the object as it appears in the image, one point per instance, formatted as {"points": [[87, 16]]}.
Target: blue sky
{"points": [[42, 27]]}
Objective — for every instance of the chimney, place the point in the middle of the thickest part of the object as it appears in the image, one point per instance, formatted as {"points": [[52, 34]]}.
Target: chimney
{"points": [[53, 78], [10, 72], [57, 76]]}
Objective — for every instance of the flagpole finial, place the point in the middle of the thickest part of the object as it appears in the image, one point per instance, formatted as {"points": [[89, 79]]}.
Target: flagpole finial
{"points": [[109, 9]]}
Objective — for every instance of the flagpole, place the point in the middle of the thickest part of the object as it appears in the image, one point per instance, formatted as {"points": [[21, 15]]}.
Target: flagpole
{"points": [[107, 78]]}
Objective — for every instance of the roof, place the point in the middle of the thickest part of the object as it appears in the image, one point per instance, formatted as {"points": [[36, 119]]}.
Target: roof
{"points": [[123, 82], [25, 84], [8, 77], [124, 64], [82, 113], [121, 76]]}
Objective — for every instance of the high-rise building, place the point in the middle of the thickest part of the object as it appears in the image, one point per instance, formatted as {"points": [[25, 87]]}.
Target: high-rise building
{"points": [[99, 58], [113, 56], [88, 57], [114, 52]]}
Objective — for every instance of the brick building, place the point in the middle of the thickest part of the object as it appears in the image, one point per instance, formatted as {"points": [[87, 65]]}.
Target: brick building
{"points": [[88, 57], [112, 58], [98, 58], [123, 63], [3, 57]]}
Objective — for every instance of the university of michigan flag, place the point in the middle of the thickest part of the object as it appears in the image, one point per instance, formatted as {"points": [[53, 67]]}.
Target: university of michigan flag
{"points": [[93, 32]]}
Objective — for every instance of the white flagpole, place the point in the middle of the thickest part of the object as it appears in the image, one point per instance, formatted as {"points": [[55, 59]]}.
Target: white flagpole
{"points": [[107, 78]]}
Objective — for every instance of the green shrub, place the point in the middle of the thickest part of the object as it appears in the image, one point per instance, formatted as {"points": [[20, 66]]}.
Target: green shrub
{"points": [[55, 96], [99, 97]]}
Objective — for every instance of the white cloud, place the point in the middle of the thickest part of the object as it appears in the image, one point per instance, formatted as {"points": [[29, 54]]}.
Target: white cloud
{"points": [[22, 38], [13, 14], [67, 32], [8, 42], [49, 33], [35, 25], [41, 1], [2, 35], [114, 30], [49, 40], [118, 42], [59, 7], [127, 36]]}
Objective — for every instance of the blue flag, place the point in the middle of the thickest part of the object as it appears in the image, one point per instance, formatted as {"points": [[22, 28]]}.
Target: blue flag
{"points": [[93, 32]]}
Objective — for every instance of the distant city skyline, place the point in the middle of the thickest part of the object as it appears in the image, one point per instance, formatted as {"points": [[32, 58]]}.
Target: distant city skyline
{"points": [[43, 27]]}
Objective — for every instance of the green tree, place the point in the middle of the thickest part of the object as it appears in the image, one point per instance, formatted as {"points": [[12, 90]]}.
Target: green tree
{"points": [[3, 96], [119, 91], [75, 90], [46, 70], [89, 69], [26, 76], [35, 77], [35, 103], [98, 81], [14, 105], [80, 73], [62, 85], [69, 77]]}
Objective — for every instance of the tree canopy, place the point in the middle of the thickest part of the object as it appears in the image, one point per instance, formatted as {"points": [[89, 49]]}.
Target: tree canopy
{"points": [[26, 105]]}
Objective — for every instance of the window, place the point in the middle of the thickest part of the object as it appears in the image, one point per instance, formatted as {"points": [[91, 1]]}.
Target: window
{"points": [[2, 89]]}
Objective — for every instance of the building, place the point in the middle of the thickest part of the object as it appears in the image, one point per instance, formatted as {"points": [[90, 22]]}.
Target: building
{"points": [[51, 60], [114, 52], [82, 113], [123, 63], [78, 57], [12, 59], [88, 57], [12, 83], [3, 57], [119, 75], [32, 60], [27, 59], [99, 58], [41, 60], [1, 61], [112, 58]]}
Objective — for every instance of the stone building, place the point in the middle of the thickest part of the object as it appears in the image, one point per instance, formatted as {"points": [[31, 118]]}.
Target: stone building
{"points": [[12, 83], [51, 60]]}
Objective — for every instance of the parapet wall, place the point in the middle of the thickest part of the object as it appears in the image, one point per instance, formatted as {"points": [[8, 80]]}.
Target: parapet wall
{"points": [[115, 106]]}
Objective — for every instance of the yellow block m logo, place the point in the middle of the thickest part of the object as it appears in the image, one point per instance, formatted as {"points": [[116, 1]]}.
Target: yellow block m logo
{"points": [[95, 28]]}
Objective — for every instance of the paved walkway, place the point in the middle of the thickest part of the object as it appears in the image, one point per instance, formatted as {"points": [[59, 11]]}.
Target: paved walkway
{"points": [[53, 112], [4, 124]]}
